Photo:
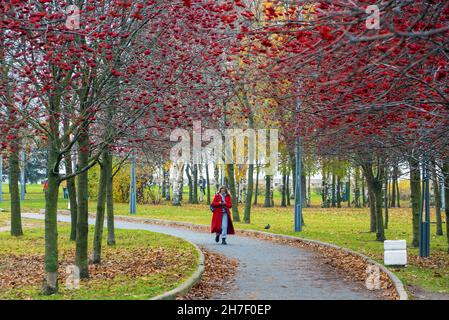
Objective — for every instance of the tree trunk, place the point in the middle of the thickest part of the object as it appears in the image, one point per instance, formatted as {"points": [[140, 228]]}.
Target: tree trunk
{"points": [[303, 187], [324, 191], [50, 284], [284, 187], [389, 193], [208, 185], [267, 203], [71, 189], [375, 184], [164, 183], [195, 184], [14, 174], [189, 179], [446, 197], [437, 196], [167, 185], [110, 198], [333, 198], [309, 190], [415, 187], [367, 170], [348, 189], [363, 193], [250, 184], [386, 202], [380, 233], [99, 219], [238, 192], [249, 194], [256, 192], [357, 203], [338, 192], [217, 178], [82, 227], [293, 170], [394, 180], [372, 207], [287, 188], [235, 200], [177, 184]]}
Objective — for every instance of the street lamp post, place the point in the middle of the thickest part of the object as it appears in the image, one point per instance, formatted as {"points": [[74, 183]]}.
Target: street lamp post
{"points": [[424, 244], [298, 187], [298, 173], [132, 191]]}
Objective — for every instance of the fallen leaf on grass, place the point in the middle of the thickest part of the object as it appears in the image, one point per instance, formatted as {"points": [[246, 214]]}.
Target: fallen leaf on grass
{"points": [[24, 270]]}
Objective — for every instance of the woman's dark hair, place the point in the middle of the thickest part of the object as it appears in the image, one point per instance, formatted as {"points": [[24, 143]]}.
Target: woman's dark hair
{"points": [[224, 187]]}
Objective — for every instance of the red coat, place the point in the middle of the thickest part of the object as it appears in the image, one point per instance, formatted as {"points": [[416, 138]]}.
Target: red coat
{"points": [[218, 214]]}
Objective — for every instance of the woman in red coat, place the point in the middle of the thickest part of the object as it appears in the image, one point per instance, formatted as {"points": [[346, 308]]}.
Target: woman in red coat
{"points": [[221, 218]]}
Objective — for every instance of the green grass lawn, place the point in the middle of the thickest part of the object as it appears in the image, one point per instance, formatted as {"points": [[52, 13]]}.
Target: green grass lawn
{"points": [[347, 227], [178, 261]]}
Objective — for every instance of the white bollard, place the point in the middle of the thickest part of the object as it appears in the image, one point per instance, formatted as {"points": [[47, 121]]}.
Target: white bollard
{"points": [[395, 252]]}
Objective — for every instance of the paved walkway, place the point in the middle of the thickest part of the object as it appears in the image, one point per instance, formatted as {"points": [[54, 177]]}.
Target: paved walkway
{"points": [[266, 270]]}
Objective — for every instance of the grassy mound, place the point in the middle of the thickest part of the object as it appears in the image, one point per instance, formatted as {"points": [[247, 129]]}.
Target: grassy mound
{"points": [[142, 265]]}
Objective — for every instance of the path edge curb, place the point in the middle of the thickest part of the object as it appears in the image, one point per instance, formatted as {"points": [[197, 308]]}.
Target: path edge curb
{"points": [[397, 283], [184, 287], [194, 279]]}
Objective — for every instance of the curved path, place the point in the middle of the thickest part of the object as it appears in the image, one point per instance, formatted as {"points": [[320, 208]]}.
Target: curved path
{"points": [[266, 270]]}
